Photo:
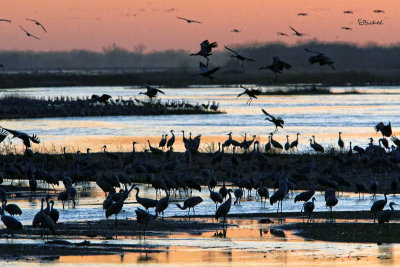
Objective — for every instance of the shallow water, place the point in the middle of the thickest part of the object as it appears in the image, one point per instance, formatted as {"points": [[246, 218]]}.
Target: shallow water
{"points": [[321, 115]]}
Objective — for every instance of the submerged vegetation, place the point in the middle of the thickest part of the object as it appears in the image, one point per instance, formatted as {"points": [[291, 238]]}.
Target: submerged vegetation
{"points": [[16, 107]]}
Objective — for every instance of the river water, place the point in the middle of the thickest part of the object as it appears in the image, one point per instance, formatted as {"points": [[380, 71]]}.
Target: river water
{"points": [[320, 115]]}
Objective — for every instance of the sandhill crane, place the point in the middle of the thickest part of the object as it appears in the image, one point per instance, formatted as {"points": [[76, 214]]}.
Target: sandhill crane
{"points": [[340, 141], [223, 190], [268, 145], [251, 93], [190, 203], [379, 11], [295, 143], [214, 106], [320, 58], [218, 156], [216, 197], [373, 187], [274, 143], [162, 204], [278, 121], [205, 72], [346, 28], [317, 147], [384, 142], [43, 220], [263, 193], [224, 208], [144, 218], [361, 188], [155, 150], [189, 20], [205, 50], [54, 214], [386, 130], [302, 14], [12, 209], [280, 194], [378, 206], [163, 141], [239, 56], [5, 20], [151, 92], [11, 223], [330, 199], [308, 208], [37, 23], [26, 139], [287, 144], [348, 12], [115, 209], [29, 34], [171, 141], [145, 202], [297, 33], [238, 195], [282, 33], [103, 99], [359, 150], [386, 215], [304, 196], [277, 66], [235, 30]]}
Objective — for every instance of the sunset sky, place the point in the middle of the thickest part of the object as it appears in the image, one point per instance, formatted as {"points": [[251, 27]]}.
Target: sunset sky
{"points": [[94, 24]]}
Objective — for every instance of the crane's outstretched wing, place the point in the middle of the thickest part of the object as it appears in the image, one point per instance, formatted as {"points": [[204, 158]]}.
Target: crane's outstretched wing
{"points": [[236, 53], [5, 20], [266, 113], [294, 30]]}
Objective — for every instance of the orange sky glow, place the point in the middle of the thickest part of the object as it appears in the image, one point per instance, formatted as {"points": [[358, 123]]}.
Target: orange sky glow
{"points": [[94, 24]]}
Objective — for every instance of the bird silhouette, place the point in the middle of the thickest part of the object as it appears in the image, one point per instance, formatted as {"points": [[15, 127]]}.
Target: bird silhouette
{"points": [[320, 58], [26, 139], [205, 72], [251, 93], [151, 92], [29, 34], [239, 56], [277, 66], [297, 33], [278, 121], [386, 215], [205, 49], [189, 20], [37, 23]]}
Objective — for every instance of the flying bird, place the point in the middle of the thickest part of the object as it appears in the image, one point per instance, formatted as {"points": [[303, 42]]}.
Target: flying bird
{"points": [[205, 49], [151, 91], [235, 30], [278, 121], [239, 56], [37, 23], [189, 20], [29, 34], [101, 99], [205, 72], [282, 33], [297, 33], [379, 11], [347, 28], [302, 14], [23, 136], [277, 66], [5, 20], [252, 93], [348, 12], [320, 58]]}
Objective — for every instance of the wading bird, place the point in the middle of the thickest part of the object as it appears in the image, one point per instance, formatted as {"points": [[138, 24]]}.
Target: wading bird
{"points": [[189, 20], [320, 58], [385, 215], [205, 49], [308, 208], [29, 34], [37, 23], [281, 34], [144, 218], [235, 30], [145, 202], [11, 223], [5, 20], [103, 99], [190, 203], [278, 121], [379, 11], [252, 93], [297, 33], [378, 206], [340, 141], [239, 56], [386, 130], [346, 28], [348, 12], [314, 145], [302, 14]]}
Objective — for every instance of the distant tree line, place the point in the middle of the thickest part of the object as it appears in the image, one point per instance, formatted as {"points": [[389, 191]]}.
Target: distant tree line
{"points": [[347, 57]]}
